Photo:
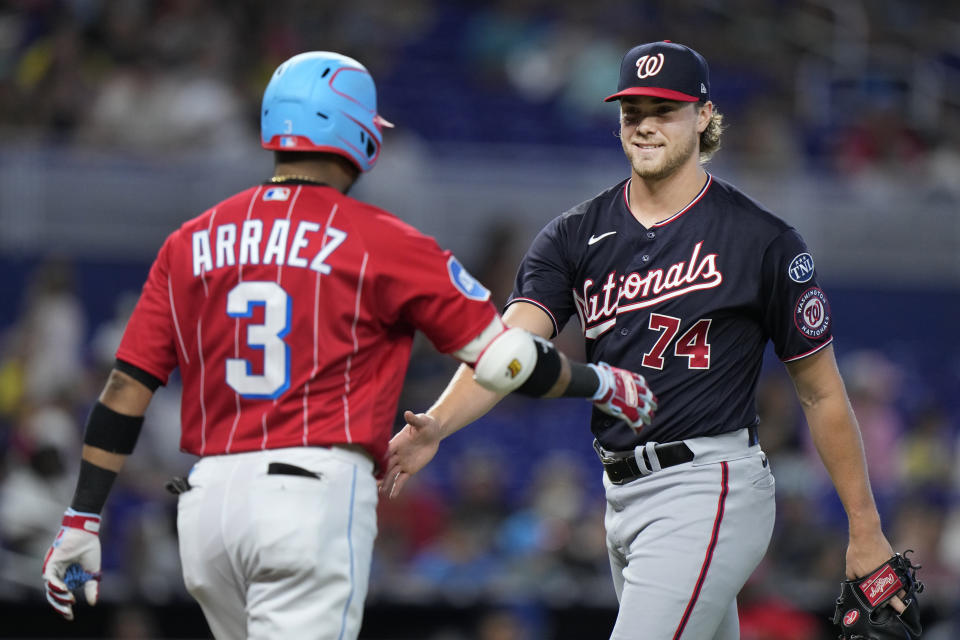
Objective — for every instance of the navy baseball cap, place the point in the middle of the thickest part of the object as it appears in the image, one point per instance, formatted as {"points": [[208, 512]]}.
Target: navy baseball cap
{"points": [[665, 70]]}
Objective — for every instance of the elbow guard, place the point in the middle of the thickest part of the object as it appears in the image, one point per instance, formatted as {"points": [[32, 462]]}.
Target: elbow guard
{"points": [[517, 360]]}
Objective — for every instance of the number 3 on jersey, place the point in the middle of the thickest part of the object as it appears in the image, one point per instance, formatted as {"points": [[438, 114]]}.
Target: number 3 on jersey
{"points": [[268, 336], [692, 345]]}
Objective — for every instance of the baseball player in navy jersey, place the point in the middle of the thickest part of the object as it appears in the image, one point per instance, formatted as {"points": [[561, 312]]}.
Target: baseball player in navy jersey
{"points": [[290, 310], [678, 274]]}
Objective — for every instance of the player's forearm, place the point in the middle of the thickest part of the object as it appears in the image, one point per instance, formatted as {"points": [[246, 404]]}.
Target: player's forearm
{"points": [[546, 373], [837, 438], [465, 400], [103, 458], [462, 402], [111, 433]]}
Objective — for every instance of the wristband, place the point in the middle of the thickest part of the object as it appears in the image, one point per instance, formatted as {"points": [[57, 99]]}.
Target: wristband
{"points": [[603, 383], [585, 382], [93, 486], [86, 521]]}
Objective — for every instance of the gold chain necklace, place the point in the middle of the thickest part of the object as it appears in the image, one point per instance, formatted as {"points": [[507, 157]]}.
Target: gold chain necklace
{"points": [[287, 178]]}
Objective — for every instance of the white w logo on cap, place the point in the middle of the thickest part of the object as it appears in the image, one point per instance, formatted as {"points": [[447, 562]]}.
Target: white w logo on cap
{"points": [[649, 65]]}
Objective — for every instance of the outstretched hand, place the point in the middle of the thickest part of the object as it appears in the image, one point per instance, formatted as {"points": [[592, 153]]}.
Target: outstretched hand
{"points": [[410, 450]]}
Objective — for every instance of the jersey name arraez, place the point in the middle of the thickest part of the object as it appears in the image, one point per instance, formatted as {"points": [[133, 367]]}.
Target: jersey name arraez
{"points": [[307, 249], [690, 302]]}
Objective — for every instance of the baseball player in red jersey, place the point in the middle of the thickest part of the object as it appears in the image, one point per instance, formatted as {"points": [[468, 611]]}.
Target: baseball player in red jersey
{"points": [[290, 310], [679, 275]]}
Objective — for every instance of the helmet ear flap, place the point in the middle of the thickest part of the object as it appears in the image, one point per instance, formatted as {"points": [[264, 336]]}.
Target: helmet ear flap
{"points": [[371, 148]]}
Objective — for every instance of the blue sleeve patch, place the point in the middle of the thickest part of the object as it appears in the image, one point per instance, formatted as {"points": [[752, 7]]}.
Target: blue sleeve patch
{"points": [[466, 283], [801, 268]]}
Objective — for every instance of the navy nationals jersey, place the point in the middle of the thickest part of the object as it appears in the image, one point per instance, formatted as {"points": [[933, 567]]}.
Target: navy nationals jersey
{"points": [[689, 302]]}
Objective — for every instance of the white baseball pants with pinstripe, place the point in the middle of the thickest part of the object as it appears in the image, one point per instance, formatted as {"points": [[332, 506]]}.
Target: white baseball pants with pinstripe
{"points": [[277, 555], [682, 541]]}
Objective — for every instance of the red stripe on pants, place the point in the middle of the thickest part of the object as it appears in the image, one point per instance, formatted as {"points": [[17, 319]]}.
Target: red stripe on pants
{"points": [[706, 561]]}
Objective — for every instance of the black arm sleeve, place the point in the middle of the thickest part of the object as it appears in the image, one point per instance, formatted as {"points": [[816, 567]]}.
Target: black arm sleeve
{"points": [[545, 372], [583, 380], [148, 380]]}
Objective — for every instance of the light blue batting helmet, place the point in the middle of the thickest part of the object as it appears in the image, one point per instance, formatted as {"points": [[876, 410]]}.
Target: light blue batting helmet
{"points": [[323, 101]]}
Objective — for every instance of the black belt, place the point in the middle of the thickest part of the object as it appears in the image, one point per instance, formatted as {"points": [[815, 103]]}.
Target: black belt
{"points": [[625, 469]]}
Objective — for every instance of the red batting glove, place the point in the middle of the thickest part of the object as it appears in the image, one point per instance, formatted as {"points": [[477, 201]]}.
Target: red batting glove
{"points": [[78, 542], [624, 394]]}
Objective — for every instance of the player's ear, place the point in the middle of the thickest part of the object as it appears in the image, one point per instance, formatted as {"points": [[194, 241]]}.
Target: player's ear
{"points": [[704, 113]]}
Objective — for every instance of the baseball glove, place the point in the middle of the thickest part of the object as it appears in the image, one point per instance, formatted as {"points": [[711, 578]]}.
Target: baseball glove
{"points": [[863, 611]]}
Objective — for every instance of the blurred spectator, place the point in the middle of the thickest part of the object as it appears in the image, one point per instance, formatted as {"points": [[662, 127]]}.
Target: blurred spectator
{"points": [[480, 499], [11, 378], [39, 479], [413, 519], [800, 476], [52, 331], [505, 624], [806, 553], [879, 140], [459, 567], [148, 107], [503, 33], [407, 526], [581, 58], [107, 335], [502, 248], [943, 166], [767, 140], [766, 615], [925, 453], [872, 382], [188, 66], [919, 526], [781, 422], [555, 545], [460, 563], [133, 623], [53, 71]]}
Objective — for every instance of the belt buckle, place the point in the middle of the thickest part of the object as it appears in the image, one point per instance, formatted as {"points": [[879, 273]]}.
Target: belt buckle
{"points": [[607, 462], [605, 459]]}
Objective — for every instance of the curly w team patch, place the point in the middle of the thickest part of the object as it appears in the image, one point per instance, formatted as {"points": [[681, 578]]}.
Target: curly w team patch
{"points": [[811, 313]]}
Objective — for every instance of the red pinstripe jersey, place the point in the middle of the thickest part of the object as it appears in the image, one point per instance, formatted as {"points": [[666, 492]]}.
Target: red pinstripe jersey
{"points": [[290, 311]]}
